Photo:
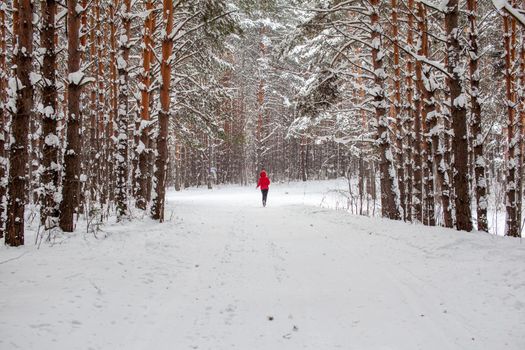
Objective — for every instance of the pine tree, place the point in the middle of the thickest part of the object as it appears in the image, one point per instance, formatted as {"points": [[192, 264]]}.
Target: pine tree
{"points": [[72, 156], [479, 160], [123, 110], [51, 144], [458, 114], [143, 147], [3, 115], [389, 189], [161, 163], [20, 106]]}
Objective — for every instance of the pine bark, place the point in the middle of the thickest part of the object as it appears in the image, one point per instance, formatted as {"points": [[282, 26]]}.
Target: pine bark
{"points": [[389, 186], [121, 193], [113, 102], [71, 181], [400, 132], [479, 160], [93, 113], [3, 116], [521, 138], [458, 113], [20, 123], [512, 225], [102, 117], [164, 113], [143, 148], [418, 134], [410, 110], [427, 86], [51, 146]]}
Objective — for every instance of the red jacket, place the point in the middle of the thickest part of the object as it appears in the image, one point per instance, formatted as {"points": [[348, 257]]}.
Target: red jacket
{"points": [[264, 181]]}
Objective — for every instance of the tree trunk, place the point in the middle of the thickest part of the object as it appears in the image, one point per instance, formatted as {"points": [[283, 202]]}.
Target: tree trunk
{"points": [[521, 138], [51, 146], [164, 113], [143, 148], [418, 137], [458, 113], [121, 195], [477, 135], [400, 132], [410, 110], [512, 225], [71, 181], [3, 116], [427, 85], [389, 186], [18, 156], [93, 113], [101, 108], [111, 136]]}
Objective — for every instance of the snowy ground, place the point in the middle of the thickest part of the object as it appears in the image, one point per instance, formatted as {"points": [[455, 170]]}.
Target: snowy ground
{"points": [[224, 273]]}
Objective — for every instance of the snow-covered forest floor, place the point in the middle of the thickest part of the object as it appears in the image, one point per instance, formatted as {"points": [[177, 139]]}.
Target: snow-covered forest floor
{"points": [[225, 273]]}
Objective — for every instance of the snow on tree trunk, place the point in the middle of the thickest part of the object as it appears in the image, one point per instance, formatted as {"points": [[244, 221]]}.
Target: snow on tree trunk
{"points": [[3, 115], [419, 98], [389, 186], [71, 181], [92, 168], [102, 115], [49, 114], [121, 194], [427, 86], [143, 147], [410, 110], [260, 134], [512, 225], [444, 167], [475, 108], [521, 137], [400, 132], [20, 105], [111, 135], [161, 163], [458, 114]]}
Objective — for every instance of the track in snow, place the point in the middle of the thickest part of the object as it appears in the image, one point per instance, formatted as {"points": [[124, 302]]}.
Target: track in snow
{"points": [[225, 273]]}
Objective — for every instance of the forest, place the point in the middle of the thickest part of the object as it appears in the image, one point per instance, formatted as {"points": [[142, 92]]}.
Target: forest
{"points": [[104, 105], [386, 137]]}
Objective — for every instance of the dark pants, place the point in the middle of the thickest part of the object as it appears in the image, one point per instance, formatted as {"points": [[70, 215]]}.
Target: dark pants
{"points": [[265, 195]]}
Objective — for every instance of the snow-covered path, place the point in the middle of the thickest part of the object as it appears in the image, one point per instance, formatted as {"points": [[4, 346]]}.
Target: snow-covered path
{"points": [[225, 273]]}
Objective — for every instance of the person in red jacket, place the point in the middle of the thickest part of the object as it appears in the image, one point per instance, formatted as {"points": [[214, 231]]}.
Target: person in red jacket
{"points": [[264, 183]]}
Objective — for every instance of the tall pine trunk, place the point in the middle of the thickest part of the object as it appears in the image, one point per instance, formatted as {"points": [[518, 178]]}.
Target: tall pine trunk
{"points": [[164, 113], [389, 186], [121, 193], [400, 132], [93, 113], [71, 182], [143, 148], [512, 224], [3, 115], [418, 122], [111, 136], [23, 96], [102, 116], [427, 86], [410, 110], [51, 145], [479, 160], [458, 114], [521, 138]]}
